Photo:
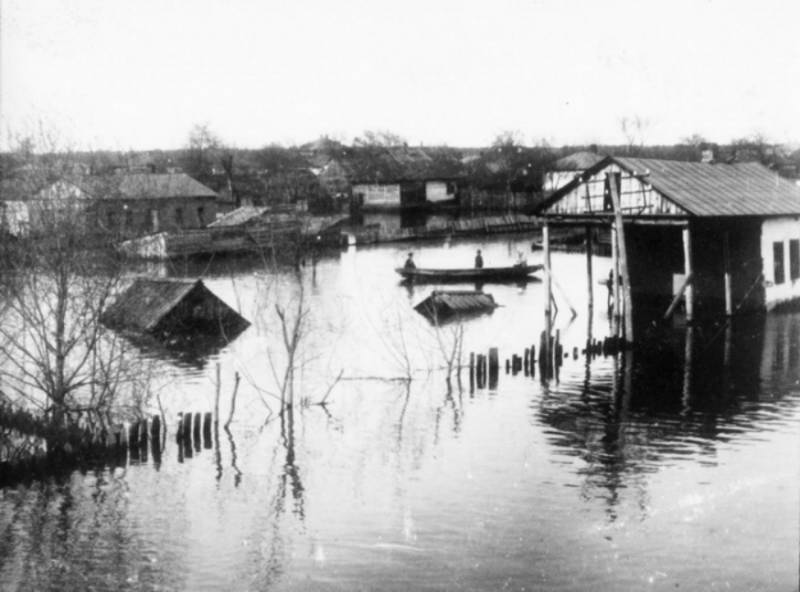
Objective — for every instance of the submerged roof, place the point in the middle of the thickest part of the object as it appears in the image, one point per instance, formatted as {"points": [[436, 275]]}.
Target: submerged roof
{"points": [[447, 303], [706, 189], [147, 301]]}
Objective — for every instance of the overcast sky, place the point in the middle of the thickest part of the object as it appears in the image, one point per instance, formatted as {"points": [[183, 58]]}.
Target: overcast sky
{"points": [[139, 74]]}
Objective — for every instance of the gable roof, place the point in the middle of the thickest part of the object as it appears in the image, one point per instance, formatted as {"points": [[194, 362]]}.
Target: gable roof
{"points": [[706, 189], [146, 302]]}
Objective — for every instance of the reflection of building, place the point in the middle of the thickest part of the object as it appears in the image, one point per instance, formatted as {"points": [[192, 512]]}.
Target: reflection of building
{"points": [[724, 233]]}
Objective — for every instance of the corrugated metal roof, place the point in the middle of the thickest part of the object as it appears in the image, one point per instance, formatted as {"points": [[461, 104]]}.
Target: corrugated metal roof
{"points": [[705, 189], [719, 189]]}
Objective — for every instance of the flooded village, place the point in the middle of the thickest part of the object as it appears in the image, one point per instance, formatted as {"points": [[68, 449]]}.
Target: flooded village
{"points": [[282, 306], [350, 414]]}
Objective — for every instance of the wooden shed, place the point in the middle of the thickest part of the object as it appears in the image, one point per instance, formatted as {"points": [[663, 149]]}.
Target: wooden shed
{"points": [[167, 307], [723, 237]]}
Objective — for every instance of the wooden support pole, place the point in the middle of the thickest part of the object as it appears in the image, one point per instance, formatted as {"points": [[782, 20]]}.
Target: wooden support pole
{"points": [[493, 367], [687, 263], [548, 288], [726, 261], [623, 260], [590, 287], [615, 276]]}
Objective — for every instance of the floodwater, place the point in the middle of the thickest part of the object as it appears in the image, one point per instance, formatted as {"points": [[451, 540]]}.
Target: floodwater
{"points": [[674, 467]]}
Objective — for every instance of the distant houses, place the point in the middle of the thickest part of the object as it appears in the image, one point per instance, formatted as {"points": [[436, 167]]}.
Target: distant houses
{"points": [[120, 204], [397, 177]]}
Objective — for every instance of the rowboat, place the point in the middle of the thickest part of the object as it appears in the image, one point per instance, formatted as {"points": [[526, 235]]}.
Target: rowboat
{"points": [[470, 274]]}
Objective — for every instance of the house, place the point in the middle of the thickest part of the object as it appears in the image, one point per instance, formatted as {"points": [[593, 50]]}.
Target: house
{"points": [[125, 204], [565, 169], [725, 235], [384, 178]]}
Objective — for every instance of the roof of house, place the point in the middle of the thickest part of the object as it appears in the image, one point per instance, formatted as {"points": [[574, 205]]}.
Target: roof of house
{"points": [[147, 301], [167, 185], [707, 189], [394, 164], [578, 161]]}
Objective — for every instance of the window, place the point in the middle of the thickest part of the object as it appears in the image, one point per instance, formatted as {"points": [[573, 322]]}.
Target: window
{"points": [[111, 220], [200, 215], [128, 219], [777, 262], [794, 259], [179, 217]]}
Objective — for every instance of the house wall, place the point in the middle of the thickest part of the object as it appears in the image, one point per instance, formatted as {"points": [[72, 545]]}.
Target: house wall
{"points": [[437, 191], [780, 231], [14, 217], [142, 216], [379, 195]]}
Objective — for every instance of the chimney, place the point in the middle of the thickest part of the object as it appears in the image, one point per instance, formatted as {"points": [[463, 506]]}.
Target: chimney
{"points": [[707, 156]]}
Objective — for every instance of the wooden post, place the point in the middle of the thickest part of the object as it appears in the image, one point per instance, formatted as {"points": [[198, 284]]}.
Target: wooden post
{"points": [[548, 288], [207, 430], [726, 260], [493, 367], [615, 281], [687, 263], [623, 260], [590, 288]]}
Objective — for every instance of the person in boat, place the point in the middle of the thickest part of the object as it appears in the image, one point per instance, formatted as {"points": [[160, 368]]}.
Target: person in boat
{"points": [[410, 262], [478, 260]]}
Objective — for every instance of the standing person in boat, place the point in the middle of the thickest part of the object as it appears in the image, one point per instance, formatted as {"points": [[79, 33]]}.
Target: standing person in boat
{"points": [[410, 262], [478, 260]]}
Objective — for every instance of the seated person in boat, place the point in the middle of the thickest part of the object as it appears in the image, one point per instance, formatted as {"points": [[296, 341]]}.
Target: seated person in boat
{"points": [[410, 262], [478, 260]]}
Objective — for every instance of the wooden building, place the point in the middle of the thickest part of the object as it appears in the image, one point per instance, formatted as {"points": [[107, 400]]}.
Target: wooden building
{"points": [[723, 237], [121, 204]]}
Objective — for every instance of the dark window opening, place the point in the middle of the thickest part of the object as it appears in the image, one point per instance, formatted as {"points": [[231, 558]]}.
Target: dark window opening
{"points": [[111, 220], [200, 214], [128, 219], [179, 217], [794, 259], [777, 257]]}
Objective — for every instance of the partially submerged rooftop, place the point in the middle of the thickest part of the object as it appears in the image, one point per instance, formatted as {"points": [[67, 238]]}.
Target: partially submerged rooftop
{"points": [[446, 305], [163, 307]]}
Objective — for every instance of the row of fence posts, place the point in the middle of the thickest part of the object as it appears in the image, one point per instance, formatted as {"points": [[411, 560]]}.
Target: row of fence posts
{"points": [[195, 432], [484, 370], [83, 447]]}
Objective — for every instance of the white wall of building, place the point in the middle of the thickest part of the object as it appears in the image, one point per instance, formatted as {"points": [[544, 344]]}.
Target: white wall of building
{"points": [[379, 195], [780, 230], [436, 191]]}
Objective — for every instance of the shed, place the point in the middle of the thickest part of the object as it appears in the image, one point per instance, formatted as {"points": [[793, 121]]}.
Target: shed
{"points": [[445, 305], [725, 236], [566, 168], [167, 307]]}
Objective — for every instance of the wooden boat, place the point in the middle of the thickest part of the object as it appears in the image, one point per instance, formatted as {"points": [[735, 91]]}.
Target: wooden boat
{"points": [[469, 274]]}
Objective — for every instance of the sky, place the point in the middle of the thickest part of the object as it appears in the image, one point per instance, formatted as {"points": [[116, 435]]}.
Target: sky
{"points": [[123, 74]]}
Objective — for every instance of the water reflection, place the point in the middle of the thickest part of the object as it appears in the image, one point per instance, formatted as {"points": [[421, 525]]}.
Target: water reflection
{"points": [[678, 395]]}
